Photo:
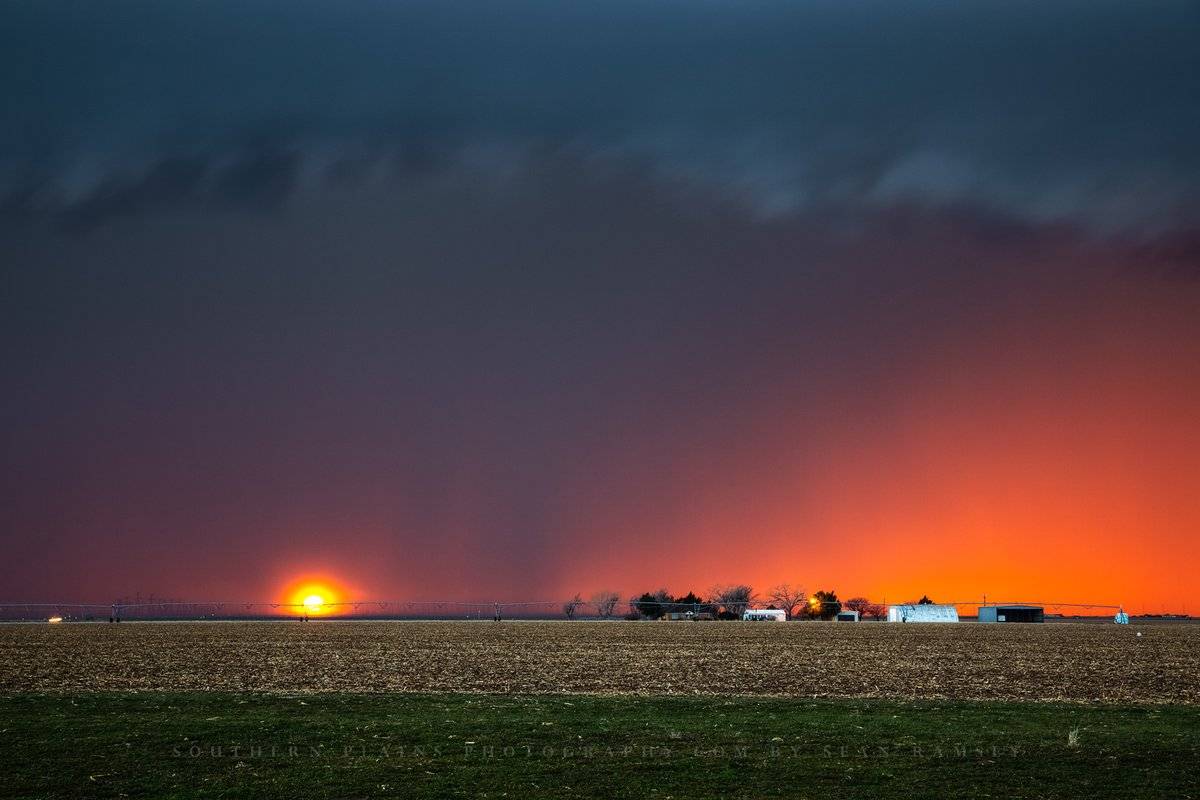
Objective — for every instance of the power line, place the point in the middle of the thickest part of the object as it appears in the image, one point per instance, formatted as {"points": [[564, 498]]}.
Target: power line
{"points": [[665, 606]]}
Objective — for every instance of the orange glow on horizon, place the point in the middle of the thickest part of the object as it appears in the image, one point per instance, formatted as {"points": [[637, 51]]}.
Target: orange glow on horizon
{"points": [[317, 596]]}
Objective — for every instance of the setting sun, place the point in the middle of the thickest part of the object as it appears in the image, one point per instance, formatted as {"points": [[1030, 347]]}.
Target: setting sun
{"points": [[313, 596]]}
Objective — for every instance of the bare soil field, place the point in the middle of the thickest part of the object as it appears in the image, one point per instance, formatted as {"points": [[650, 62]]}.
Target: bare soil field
{"points": [[1062, 662]]}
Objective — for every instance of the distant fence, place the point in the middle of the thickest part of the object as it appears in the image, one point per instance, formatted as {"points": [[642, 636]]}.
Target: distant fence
{"points": [[240, 609], [423, 609]]}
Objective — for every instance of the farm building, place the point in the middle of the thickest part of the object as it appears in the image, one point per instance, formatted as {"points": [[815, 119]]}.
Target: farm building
{"points": [[922, 612], [1013, 613], [764, 615], [847, 616]]}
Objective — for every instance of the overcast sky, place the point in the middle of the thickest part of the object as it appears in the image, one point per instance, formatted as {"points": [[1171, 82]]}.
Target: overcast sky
{"points": [[523, 298]]}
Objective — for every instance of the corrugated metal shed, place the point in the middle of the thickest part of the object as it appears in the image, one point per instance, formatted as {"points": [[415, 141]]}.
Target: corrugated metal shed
{"points": [[1012, 613], [928, 612], [764, 615]]}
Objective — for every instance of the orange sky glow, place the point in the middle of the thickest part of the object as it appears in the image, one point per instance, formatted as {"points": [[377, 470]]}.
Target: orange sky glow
{"points": [[1026, 428], [1060, 464]]}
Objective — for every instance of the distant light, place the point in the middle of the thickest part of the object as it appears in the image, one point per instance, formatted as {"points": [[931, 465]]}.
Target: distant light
{"points": [[314, 602], [54, 619]]}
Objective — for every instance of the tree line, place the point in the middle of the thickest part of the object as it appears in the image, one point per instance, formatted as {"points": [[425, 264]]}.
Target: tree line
{"points": [[725, 602]]}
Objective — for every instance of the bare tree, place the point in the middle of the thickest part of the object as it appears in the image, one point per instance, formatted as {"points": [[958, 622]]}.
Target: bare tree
{"points": [[733, 599], [606, 602], [788, 598], [859, 604], [572, 605], [866, 608]]}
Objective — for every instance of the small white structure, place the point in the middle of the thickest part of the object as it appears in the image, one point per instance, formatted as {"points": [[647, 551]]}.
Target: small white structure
{"points": [[764, 615], [927, 612], [845, 615], [1122, 618]]}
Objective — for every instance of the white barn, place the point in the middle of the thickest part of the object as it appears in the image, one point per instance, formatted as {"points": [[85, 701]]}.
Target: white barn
{"points": [[928, 612], [764, 615]]}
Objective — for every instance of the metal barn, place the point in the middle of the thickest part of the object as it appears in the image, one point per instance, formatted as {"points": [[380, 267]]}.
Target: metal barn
{"points": [[1012, 613], [922, 612]]}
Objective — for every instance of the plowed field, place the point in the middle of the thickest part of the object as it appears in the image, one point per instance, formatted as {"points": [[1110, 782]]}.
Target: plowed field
{"points": [[1061, 661]]}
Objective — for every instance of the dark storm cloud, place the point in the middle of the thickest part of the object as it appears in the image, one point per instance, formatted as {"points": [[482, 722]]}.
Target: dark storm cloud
{"points": [[467, 298], [261, 181], [451, 385], [1084, 112]]}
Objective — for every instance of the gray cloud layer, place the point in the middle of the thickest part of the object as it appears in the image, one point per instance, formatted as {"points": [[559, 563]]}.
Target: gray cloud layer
{"points": [[1078, 112]]}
